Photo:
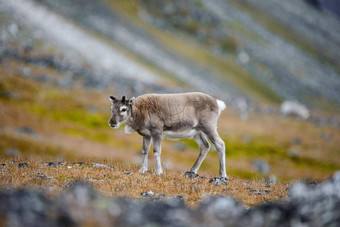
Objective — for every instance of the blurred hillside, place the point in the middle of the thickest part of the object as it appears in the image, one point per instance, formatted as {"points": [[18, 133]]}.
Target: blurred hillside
{"points": [[265, 51]]}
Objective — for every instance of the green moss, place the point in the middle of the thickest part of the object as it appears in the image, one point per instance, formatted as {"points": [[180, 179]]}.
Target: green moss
{"points": [[304, 163], [249, 175], [65, 178], [73, 115], [81, 117], [37, 109], [27, 146], [96, 136]]}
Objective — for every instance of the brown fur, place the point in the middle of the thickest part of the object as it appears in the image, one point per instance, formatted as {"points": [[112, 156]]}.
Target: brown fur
{"points": [[173, 111], [172, 116]]}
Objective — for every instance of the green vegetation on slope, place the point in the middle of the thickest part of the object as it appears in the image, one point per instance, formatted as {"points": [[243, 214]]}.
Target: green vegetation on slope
{"points": [[193, 51]]}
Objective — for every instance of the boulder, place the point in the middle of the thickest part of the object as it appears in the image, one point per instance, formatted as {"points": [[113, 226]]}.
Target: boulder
{"points": [[293, 108]]}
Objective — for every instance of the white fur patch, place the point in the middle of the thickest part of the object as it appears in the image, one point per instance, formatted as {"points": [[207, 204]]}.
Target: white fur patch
{"points": [[221, 105], [128, 130], [179, 135], [122, 107]]}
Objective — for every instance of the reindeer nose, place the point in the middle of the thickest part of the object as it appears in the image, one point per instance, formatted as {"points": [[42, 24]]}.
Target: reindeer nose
{"points": [[112, 122]]}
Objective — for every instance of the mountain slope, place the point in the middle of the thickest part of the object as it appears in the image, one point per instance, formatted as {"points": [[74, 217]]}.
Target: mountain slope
{"points": [[264, 51]]}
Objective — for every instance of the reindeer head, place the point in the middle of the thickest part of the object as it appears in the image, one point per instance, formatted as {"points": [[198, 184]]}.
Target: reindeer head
{"points": [[121, 111]]}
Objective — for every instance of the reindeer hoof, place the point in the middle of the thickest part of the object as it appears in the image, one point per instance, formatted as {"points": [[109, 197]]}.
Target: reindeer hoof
{"points": [[219, 180], [143, 170], [159, 172], [191, 175]]}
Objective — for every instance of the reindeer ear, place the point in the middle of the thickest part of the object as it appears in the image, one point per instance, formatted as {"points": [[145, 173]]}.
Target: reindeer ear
{"points": [[112, 99], [123, 99], [132, 101]]}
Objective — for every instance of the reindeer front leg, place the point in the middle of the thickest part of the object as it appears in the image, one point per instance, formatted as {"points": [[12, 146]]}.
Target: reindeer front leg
{"points": [[145, 152], [157, 142]]}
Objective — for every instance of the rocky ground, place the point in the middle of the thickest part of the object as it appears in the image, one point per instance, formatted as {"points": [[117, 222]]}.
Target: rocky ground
{"points": [[317, 205]]}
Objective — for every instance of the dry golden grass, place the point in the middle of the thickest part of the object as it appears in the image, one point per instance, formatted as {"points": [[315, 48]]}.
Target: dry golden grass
{"points": [[125, 181]]}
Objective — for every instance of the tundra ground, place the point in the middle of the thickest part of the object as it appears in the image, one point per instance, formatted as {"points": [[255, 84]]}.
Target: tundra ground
{"points": [[42, 122]]}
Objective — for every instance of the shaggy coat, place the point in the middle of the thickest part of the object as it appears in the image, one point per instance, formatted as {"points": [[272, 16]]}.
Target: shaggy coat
{"points": [[171, 116]]}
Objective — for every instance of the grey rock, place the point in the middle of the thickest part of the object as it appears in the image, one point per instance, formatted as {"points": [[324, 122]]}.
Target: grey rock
{"points": [[94, 180], [295, 141], [271, 180], [9, 95], [259, 192], [23, 165], [180, 146], [98, 165], [25, 130], [295, 109], [219, 181], [42, 176], [246, 139], [326, 136], [148, 193], [80, 163], [26, 72], [42, 78], [53, 164], [261, 166], [47, 188], [294, 153], [128, 173], [12, 152]]}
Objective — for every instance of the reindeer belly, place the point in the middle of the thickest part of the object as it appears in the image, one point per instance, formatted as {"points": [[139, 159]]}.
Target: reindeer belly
{"points": [[175, 135]]}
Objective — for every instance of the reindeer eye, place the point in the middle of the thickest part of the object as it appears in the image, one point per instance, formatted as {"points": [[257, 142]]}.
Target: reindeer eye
{"points": [[123, 110]]}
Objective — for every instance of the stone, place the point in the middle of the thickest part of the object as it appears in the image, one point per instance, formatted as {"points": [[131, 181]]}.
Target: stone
{"points": [[295, 141], [219, 180], [53, 164], [9, 95], [127, 173], [180, 146], [294, 108], [12, 152], [98, 165], [148, 193], [23, 165], [26, 72], [25, 130], [94, 180], [270, 181], [191, 175], [42, 176], [261, 166]]}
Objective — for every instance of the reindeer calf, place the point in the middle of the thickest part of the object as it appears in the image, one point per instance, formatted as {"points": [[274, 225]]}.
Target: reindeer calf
{"points": [[172, 116]]}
